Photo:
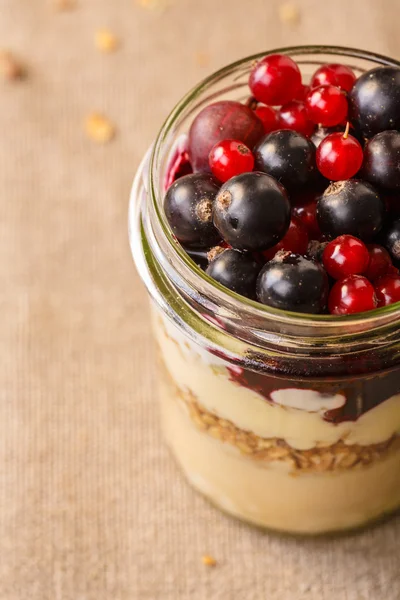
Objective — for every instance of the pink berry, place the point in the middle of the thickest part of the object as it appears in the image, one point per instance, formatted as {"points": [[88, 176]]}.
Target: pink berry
{"points": [[295, 240], [275, 79], [220, 121], [334, 74], [351, 295], [268, 117], [229, 158], [326, 105], [387, 289], [380, 262], [339, 156], [293, 115], [178, 167], [346, 255]]}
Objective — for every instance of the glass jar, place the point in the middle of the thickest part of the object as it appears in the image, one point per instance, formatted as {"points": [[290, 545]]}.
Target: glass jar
{"points": [[288, 421]]}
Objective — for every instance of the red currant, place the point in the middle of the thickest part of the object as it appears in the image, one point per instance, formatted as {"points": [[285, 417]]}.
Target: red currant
{"points": [[379, 262], [334, 74], [387, 290], [269, 118], [392, 270], [346, 255], [353, 294], [339, 156], [302, 92], [229, 158], [295, 240], [305, 210], [326, 105], [293, 115], [275, 79]]}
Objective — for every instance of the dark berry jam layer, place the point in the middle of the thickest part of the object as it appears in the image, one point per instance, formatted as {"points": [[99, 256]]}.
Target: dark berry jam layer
{"points": [[361, 393]]}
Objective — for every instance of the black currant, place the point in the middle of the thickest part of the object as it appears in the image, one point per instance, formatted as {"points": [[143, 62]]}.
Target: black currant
{"points": [[382, 160], [374, 100], [316, 249], [293, 282], [287, 156], [236, 270], [252, 211], [353, 207], [391, 239], [188, 207], [199, 256], [392, 200]]}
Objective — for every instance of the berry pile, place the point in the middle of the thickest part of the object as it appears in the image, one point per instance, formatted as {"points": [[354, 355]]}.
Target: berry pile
{"points": [[293, 198]]}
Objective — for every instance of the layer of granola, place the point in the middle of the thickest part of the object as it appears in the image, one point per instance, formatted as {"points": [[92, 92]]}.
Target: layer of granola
{"points": [[338, 456]]}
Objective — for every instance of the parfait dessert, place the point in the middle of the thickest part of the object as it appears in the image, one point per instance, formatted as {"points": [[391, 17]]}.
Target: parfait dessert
{"points": [[275, 299]]}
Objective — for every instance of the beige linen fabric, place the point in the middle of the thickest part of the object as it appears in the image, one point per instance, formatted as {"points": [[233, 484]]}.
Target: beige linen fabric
{"points": [[91, 505]]}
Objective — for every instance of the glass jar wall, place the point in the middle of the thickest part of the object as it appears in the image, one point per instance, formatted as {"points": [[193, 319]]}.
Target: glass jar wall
{"points": [[288, 421]]}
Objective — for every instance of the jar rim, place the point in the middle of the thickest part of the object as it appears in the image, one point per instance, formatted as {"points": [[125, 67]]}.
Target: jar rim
{"points": [[193, 275]]}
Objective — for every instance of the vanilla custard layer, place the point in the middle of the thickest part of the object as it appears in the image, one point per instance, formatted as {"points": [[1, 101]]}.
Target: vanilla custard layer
{"points": [[269, 495]]}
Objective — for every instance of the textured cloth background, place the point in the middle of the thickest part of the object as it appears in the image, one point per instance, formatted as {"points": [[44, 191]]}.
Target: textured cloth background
{"points": [[91, 505]]}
